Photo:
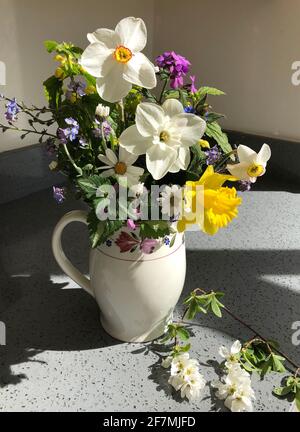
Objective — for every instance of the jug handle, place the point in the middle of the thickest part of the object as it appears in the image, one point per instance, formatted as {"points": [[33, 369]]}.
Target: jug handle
{"points": [[62, 260]]}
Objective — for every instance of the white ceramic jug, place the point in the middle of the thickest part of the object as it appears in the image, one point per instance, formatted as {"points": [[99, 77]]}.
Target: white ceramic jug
{"points": [[136, 290]]}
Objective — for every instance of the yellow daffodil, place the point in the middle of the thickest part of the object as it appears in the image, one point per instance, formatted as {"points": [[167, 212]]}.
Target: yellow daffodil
{"points": [[218, 205]]}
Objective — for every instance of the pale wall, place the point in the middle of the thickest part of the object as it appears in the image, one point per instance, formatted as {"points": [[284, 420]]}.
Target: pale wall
{"points": [[245, 47], [25, 24]]}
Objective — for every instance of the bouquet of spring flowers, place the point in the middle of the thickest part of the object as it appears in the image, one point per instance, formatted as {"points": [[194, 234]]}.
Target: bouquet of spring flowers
{"points": [[121, 127]]}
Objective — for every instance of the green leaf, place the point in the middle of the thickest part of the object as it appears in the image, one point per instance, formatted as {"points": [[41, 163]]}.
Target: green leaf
{"points": [[282, 391], [213, 130], [154, 229], [267, 366], [205, 90], [215, 308], [96, 229], [50, 45], [212, 117], [278, 363], [181, 349], [183, 333], [89, 185], [172, 242], [192, 310], [53, 91]]}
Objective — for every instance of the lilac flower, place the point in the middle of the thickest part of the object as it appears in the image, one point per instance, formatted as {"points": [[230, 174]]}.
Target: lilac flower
{"points": [[213, 155], [244, 185], [193, 88], [12, 110], [176, 65], [70, 133], [105, 126], [59, 194], [77, 87]]}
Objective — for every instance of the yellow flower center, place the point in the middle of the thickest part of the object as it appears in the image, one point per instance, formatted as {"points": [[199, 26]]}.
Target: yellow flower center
{"points": [[164, 136], [120, 168], [122, 54], [255, 170]]}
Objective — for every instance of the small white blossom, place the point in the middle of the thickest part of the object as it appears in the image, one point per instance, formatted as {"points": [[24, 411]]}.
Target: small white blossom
{"points": [[231, 356], [185, 376], [236, 390], [102, 110], [167, 361]]}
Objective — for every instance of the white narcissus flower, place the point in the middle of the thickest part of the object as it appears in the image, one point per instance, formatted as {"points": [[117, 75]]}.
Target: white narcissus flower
{"points": [[165, 134], [121, 167], [172, 201], [102, 110], [236, 390], [114, 58], [231, 356], [252, 164]]}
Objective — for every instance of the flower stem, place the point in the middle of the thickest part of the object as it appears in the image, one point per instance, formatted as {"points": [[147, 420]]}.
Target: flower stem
{"points": [[163, 91], [34, 131], [224, 159], [257, 334], [79, 170]]}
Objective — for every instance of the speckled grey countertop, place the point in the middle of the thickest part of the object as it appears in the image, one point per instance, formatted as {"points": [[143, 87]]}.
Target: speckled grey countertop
{"points": [[58, 358]]}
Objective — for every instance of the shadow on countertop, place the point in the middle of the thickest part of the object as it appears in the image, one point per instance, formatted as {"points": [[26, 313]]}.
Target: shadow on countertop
{"points": [[41, 313]]}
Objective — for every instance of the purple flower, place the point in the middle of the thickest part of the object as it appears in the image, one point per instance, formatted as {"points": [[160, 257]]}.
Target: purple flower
{"points": [[131, 225], [77, 87], [70, 133], [176, 65], [213, 155], [189, 109], [59, 194], [244, 185], [12, 110], [105, 126], [167, 241]]}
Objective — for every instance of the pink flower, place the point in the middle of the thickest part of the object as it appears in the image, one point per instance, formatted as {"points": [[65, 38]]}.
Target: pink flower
{"points": [[126, 242], [148, 245], [131, 225]]}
